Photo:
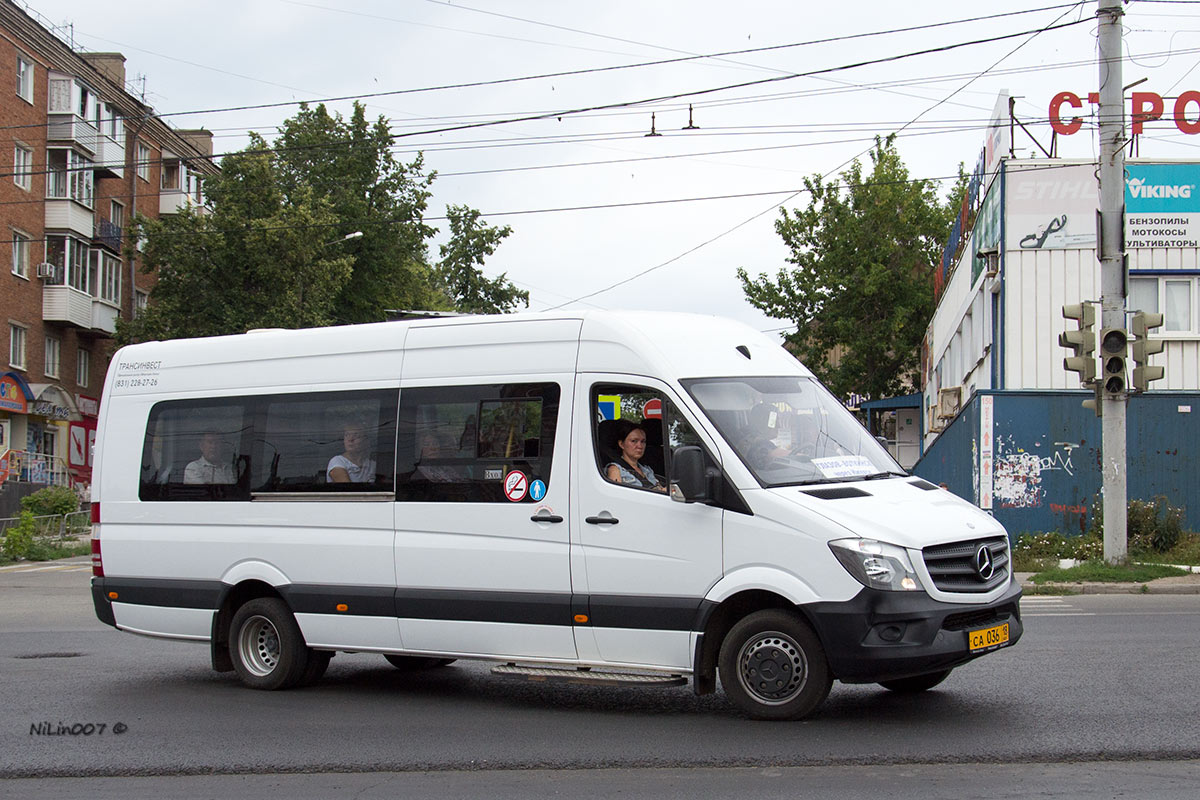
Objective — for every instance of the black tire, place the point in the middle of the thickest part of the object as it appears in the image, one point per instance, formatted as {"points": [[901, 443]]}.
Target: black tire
{"points": [[318, 662], [773, 666], [917, 683], [266, 645], [414, 663]]}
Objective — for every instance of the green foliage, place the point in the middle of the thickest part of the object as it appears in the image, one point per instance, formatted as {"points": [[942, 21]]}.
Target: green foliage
{"points": [[273, 251], [1108, 573], [18, 539], [861, 287], [1153, 526], [51, 500], [471, 241]]}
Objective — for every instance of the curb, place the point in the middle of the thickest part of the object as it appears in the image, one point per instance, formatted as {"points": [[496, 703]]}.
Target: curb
{"points": [[1119, 588]]}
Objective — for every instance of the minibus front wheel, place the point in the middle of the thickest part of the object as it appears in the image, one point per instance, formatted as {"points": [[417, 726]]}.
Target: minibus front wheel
{"points": [[266, 646], [772, 666]]}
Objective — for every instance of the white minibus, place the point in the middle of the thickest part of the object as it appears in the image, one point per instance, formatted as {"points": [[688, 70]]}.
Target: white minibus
{"points": [[613, 497]]}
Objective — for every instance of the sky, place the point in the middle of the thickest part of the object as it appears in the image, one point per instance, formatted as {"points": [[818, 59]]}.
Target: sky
{"points": [[602, 215]]}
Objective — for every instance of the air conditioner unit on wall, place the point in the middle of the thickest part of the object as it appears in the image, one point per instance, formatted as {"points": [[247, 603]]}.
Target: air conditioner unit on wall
{"points": [[45, 270], [949, 402]]}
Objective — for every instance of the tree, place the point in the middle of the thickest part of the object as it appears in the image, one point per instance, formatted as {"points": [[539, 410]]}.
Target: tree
{"points": [[864, 252], [273, 251], [351, 164], [258, 260], [471, 241]]}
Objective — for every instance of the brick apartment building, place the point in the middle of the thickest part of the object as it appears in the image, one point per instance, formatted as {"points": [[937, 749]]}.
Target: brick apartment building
{"points": [[84, 156]]}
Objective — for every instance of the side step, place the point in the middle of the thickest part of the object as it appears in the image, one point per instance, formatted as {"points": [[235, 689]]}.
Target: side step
{"points": [[588, 677]]}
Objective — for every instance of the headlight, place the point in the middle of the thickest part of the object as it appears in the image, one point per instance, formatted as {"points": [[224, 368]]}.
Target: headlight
{"points": [[876, 565]]}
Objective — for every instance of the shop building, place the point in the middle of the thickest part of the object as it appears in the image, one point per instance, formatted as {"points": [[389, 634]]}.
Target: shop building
{"points": [[1002, 421]]}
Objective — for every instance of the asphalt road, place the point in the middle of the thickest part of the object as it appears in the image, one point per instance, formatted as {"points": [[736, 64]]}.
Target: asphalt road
{"points": [[1095, 679]]}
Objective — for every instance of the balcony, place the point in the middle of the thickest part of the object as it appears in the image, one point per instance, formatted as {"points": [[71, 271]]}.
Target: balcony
{"points": [[66, 304], [172, 201], [108, 235], [110, 157], [70, 128], [63, 214]]}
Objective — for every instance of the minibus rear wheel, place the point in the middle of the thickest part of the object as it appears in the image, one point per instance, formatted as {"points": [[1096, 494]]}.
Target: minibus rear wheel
{"points": [[773, 666], [266, 646], [917, 683]]}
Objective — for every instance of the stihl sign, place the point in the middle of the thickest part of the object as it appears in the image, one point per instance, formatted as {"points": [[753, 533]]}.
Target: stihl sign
{"points": [[1147, 107]]}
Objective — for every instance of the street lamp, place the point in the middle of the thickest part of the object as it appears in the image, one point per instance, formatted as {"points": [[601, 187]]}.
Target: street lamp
{"points": [[346, 238]]}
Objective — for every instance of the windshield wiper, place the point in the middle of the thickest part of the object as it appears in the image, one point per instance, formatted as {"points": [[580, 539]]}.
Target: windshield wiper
{"points": [[880, 475]]}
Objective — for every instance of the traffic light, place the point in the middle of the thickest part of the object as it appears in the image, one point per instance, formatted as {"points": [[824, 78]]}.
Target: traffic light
{"points": [[1081, 342], [1114, 344], [1143, 348]]}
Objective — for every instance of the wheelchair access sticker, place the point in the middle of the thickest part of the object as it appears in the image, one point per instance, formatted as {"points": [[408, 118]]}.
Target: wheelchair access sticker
{"points": [[516, 486]]}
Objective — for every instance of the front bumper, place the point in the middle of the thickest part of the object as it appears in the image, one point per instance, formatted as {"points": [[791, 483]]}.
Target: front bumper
{"points": [[880, 636]]}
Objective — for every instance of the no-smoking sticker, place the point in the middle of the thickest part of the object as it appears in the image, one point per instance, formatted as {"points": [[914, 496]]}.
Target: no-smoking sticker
{"points": [[516, 486]]}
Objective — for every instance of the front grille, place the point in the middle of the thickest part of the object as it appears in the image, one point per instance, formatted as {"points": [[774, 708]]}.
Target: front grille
{"points": [[953, 567], [979, 619]]}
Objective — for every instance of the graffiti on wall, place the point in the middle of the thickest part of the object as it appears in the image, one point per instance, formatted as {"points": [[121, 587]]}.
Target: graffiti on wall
{"points": [[1017, 479]]}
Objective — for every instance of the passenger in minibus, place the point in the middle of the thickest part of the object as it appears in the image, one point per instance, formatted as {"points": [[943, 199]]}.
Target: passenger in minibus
{"points": [[355, 464], [628, 470], [208, 468]]}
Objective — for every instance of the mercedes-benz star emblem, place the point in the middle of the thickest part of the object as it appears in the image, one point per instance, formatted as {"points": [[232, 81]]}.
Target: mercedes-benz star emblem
{"points": [[983, 563]]}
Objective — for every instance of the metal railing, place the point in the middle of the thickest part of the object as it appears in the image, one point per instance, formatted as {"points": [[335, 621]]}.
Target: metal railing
{"points": [[56, 527], [27, 467]]}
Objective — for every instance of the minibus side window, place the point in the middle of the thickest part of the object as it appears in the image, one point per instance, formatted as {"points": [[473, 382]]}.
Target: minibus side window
{"points": [[195, 450], [301, 438], [458, 443]]}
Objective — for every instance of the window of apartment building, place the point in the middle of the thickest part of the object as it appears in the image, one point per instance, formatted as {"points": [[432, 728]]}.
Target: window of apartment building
{"points": [[116, 214], [83, 366], [143, 162], [24, 78], [86, 108], [59, 101], [170, 175], [69, 175], [20, 254], [53, 356], [1174, 298], [105, 274], [16, 345], [194, 191], [140, 300], [22, 167], [70, 256]]}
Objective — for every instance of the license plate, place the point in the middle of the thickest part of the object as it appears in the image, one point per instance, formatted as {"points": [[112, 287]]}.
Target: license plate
{"points": [[988, 638]]}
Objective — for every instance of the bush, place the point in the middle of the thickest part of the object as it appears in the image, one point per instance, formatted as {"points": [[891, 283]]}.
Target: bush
{"points": [[51, 500], [1153, 526], [18, 540]]}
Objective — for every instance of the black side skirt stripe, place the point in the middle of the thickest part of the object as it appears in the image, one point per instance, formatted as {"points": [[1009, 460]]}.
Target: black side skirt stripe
{"points": [[525, 608]]}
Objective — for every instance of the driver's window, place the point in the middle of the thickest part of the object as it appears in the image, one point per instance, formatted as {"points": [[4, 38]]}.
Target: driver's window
{"points": [[637, 432], [628, 435]]}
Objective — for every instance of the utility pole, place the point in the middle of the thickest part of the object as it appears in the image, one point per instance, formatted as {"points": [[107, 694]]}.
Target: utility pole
{"points": [[1111, 174]]}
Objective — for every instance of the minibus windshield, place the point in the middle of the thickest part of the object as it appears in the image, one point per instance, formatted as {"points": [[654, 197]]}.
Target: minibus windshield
{"points": [[790, 430]]}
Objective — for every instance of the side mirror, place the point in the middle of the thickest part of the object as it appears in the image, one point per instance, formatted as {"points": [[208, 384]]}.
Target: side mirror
{"points": [[688, 475], [882, 441]]}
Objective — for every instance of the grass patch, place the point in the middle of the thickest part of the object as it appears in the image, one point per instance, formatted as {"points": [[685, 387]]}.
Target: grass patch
{"points": [[1186, 551], [1099, 571], [50, 551]]}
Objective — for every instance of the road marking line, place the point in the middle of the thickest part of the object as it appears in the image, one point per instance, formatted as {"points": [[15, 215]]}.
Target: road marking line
{"points": [[1062, 614]]}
